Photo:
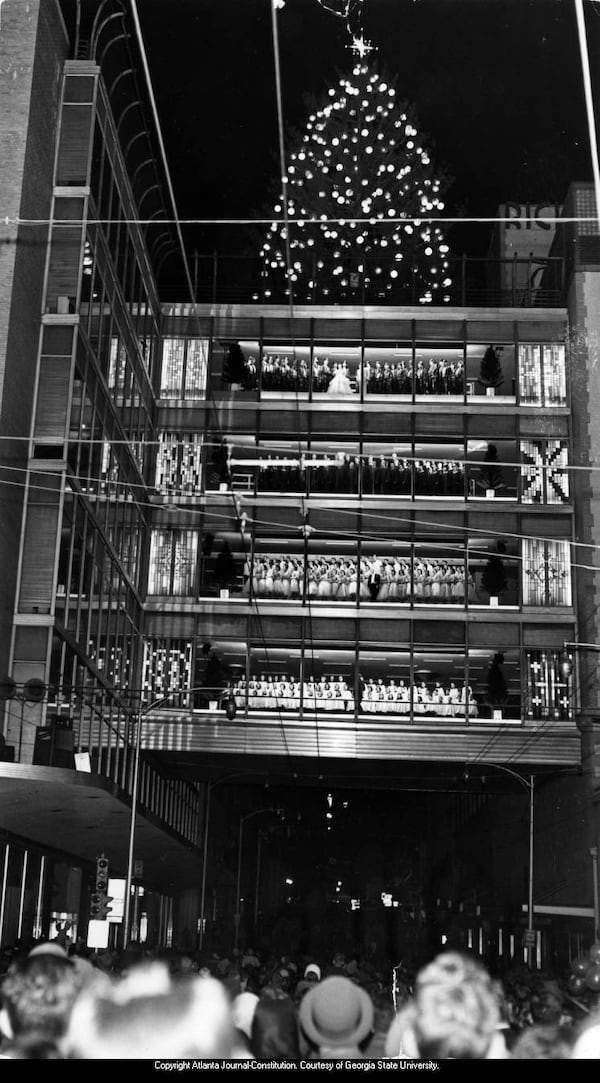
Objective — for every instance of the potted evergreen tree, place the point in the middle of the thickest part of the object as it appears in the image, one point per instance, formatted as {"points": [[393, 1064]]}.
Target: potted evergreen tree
{"points": [[494, 579], [492, 474], [220, 469], [497, 689], [234, 368], [211, 677], [490, 373], [224, 570]]}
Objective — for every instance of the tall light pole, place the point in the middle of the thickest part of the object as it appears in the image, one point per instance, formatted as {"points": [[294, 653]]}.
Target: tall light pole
{"points": [[238, 907], [529, 786], [230, 709]]}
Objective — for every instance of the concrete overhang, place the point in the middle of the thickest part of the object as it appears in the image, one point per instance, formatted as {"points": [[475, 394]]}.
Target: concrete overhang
{"points": [[78, 815]]}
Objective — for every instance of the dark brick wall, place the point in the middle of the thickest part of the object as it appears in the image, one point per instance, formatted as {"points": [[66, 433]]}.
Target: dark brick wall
{"points": [[33, 47]]}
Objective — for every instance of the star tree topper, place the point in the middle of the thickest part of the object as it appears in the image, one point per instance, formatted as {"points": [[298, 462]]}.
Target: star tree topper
{"points": [[360, 46]]}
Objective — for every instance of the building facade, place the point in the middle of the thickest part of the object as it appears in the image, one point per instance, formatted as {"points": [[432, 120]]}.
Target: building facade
{"points": [[258, 531]]}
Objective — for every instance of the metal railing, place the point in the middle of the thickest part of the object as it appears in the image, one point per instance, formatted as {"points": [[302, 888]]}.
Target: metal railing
{"points": [[475, 282]]}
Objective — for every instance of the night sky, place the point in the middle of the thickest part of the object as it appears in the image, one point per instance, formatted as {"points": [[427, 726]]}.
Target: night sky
{"points": [[497, 85]]}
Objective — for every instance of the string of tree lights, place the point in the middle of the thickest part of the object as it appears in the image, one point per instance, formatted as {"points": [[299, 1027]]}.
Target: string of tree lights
{"points": [[361, 154]]}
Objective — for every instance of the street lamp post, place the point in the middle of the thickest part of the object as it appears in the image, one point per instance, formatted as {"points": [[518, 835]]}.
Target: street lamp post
{"points": [[230, 709], [529, 786], [238, 908]]}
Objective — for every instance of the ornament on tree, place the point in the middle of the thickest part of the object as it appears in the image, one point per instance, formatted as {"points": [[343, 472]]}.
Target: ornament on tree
{"points": [[360, 198], [594, 954], [576, 984], [592, 978]]}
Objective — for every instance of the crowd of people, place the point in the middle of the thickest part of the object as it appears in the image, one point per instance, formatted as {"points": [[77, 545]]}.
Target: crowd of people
{"points": [[283, 373], [375, 579], [374, 475], [61, 1001], [332, 693]]}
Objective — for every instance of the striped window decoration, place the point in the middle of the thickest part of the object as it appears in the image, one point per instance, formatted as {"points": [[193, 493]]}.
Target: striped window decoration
{"points": [[117, 371], [542, 374], [167, 666], [179, 462], [184, 368]]}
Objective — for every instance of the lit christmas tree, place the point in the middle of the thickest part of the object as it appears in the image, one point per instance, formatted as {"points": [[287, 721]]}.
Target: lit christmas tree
{"points": [[356, 173]]}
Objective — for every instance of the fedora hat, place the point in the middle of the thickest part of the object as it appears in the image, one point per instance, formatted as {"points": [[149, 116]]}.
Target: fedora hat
{"points": [[336, 1012], [48, 947]]}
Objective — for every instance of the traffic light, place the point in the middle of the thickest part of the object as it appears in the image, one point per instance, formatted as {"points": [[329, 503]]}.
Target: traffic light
{"points": [[101, 874], [105, 909], [100, 899], [96, 903], [99, 905]]}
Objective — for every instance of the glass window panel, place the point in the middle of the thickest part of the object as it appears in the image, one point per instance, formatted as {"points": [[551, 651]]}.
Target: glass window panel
{"points": [[493, 572], [196, 367], [217, 467], [439, 470], [217, 671], [490, 371], [184, 562], [546, 572], [167, 666], [439, 688], [173, 557], [274, 679], [117, 373], [276, 574], [555, 383], [282, 466], [439, 372], [329, 678], [225, 565], [385, 571], [439, 576], [492, 470], [548, 694], [386, 469], [332, 577], [173, 359], [285, 370], [333, 467], [179, 463], [335, 371], [545, 472], [387, 370], [495, 680], [161, 556], [530, 374]]}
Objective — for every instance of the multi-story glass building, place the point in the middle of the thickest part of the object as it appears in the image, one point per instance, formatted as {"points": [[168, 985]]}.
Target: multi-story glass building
{"points": [[257, 532]]}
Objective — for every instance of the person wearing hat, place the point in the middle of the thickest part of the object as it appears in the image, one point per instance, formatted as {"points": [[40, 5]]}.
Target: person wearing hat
{"points": [[337, 1018], [312, 974]]}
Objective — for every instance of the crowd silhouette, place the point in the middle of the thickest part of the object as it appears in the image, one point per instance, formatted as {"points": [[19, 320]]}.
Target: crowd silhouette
{"points": [[282, 373], [71, 1003]]}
